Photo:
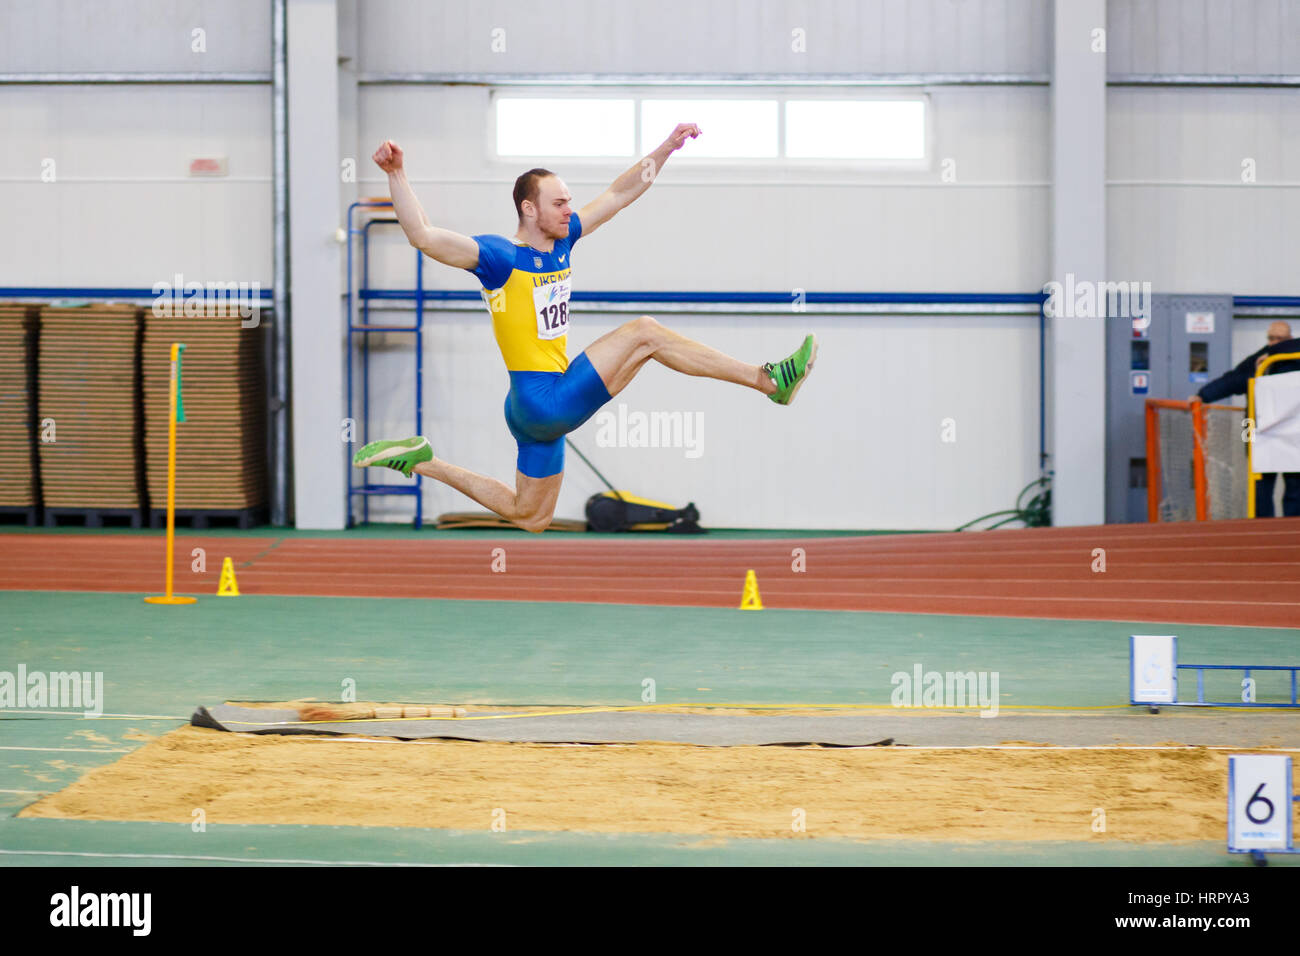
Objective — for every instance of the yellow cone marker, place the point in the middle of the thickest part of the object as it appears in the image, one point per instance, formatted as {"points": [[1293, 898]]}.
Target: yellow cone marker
{"points": [[750, 601], [227, 587]]}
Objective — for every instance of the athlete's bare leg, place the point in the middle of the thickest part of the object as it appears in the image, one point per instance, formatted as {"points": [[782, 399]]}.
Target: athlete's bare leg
{"points": [[618, 355], [530, 505]]}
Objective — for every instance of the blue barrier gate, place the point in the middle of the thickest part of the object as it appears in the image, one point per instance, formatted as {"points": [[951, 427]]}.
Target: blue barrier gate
{"points": [[1153, 676]]}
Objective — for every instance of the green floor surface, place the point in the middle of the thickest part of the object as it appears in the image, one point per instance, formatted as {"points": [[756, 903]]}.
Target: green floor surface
{"points": [[35, 842], [163, 661]]}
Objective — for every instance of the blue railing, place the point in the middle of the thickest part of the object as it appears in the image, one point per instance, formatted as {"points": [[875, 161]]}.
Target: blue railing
{"points": [[1246, 669], [365, 295]]}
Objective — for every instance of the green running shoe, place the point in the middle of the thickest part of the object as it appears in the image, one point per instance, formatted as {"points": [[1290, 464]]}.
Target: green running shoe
{"points": [[790, 373], [401, 455]]}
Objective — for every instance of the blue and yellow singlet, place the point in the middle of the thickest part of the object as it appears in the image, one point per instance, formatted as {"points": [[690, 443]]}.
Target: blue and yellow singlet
{"points": [[527, 294]]}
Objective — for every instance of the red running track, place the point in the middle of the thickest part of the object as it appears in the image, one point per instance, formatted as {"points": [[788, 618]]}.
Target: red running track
{"points": [[1226, 572]]}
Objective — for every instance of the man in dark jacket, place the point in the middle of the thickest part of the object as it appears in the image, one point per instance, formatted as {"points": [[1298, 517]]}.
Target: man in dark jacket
{"points": [[1235, 383]]}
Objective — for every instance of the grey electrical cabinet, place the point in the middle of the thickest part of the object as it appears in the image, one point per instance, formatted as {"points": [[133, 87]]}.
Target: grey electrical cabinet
{"points": [[1184, 342]]}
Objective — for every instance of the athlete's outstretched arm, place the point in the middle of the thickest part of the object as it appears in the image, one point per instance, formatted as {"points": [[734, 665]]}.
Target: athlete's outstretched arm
{"points": [[628, 188], [450, 248]]}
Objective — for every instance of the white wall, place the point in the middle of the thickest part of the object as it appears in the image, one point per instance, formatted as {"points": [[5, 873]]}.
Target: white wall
{"points": [[722, 228], [135, 36], [860, 448], [883, 384], [1203, 36], [123, 210], [124, 213], [722, 36], [1180, 215]]}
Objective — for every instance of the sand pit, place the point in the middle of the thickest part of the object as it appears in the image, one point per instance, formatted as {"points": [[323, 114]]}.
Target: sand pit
{"points": [[1158, 796]]}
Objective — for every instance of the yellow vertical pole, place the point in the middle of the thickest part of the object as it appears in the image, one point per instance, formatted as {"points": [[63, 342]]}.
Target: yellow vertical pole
{"points": [[171, 469], [172, 389], [1250, 450]]}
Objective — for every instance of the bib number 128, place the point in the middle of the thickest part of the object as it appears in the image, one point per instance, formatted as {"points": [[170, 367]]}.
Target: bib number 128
{"points": [[553, 318], [551, 306]]}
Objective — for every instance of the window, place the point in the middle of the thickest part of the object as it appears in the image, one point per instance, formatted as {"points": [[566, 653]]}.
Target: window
{"points": [[855, 129], [529, 126], [732, 129], [838, 129]]}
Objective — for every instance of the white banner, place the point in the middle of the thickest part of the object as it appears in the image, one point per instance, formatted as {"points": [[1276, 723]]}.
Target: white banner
{"points": [[1277, 424], [1259, 802], [1153, 668]]}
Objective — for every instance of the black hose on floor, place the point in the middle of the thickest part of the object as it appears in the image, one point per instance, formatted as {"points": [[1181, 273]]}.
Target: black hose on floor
{"points": [[1035, 513]]}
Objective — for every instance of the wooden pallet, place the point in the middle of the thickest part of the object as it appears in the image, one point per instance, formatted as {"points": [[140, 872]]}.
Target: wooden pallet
{"points": [[200, 518], [221, 466], [19, 474], [29, 515], [89, 385], [94, 517]]}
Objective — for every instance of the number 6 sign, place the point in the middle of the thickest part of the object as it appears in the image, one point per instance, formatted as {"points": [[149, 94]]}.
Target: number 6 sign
{"points": [[1259, 803]]}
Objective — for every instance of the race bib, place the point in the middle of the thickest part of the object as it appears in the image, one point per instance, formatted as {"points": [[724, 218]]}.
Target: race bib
{"points": [[551, 306]]}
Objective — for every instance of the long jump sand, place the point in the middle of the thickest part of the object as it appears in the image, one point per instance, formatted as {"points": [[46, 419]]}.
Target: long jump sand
{"points": [[1159, 796]]}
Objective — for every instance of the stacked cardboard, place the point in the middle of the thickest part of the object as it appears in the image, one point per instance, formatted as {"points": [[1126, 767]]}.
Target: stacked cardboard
{"points": [[221, 445], [18, 486], [88, 404]]}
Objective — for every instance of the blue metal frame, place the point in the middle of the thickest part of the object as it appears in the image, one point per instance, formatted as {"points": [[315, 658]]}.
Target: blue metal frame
{"points": [[364, 294], [756, 298], [1266, 301], [1200, 669], [420, 295], [264, 296], [783, 298], [1246, 669]]}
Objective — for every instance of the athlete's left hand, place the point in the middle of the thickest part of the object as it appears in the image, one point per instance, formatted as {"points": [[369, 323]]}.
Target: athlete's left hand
{"points": [[679, 136]]}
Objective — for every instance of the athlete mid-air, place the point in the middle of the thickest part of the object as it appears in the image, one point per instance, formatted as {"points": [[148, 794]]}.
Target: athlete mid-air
{"points": [[526, 283]]}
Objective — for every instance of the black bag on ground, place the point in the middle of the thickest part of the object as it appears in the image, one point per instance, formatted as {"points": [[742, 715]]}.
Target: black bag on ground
{"points": [[608, 512]]}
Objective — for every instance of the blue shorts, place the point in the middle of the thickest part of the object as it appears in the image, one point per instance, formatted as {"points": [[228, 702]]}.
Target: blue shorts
{"points": [[543, 407]]}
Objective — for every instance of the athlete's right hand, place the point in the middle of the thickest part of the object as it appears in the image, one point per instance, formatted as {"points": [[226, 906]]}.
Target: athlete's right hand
{"points": [[388, 156]]}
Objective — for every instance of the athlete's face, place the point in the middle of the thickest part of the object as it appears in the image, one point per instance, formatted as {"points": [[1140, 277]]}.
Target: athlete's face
{"points": [[553, 210]]}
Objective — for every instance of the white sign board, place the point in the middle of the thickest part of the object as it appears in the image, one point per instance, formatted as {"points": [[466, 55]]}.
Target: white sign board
{"points": [[1152, 665], [1200, 323], [1259, 802], [1277, 424]]}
